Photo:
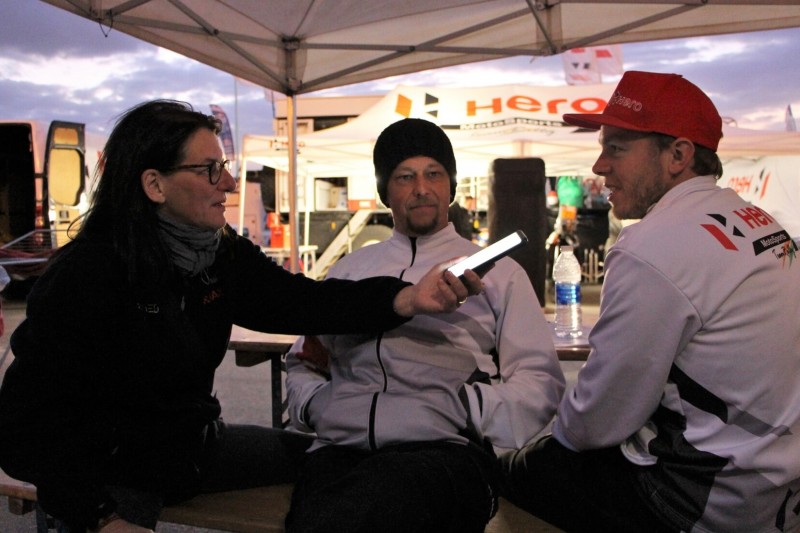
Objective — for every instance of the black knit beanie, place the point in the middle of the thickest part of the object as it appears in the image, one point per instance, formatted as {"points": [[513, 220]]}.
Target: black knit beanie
{"points": [[411, 137]]}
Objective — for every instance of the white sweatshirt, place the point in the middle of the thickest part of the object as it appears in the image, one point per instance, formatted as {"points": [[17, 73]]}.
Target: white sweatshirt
{"points": [[695, 363], [487, 372]]}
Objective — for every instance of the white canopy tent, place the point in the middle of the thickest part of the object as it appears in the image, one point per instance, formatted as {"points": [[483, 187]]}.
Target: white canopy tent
{"points": [[300, 46], [484, 123]]}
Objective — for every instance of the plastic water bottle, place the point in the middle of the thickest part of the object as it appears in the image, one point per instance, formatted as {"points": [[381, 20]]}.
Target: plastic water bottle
{"points": [[567, 277]]}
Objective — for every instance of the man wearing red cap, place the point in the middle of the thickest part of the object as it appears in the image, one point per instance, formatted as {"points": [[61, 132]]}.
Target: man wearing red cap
{"points": [[686, 415]]}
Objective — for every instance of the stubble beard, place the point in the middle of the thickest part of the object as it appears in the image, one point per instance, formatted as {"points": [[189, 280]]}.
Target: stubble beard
{"points": [[653, 186], [422, 227]]}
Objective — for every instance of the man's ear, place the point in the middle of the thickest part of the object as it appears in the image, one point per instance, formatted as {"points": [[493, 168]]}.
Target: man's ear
{"points": [[153, 186], [681, 155]]}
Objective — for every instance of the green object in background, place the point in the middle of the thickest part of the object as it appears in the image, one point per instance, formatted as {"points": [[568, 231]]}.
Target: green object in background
{"points": [[570, 190]]}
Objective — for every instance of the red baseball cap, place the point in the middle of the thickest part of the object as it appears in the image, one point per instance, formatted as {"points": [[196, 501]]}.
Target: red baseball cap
{"points": [[659, 103]]}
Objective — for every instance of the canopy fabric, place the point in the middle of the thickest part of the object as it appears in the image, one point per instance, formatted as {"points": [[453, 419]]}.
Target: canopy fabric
{"points": [[300, 46], [485, 123]]}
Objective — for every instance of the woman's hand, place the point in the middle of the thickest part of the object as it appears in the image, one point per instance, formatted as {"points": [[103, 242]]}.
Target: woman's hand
{"points": [[439, 291]]}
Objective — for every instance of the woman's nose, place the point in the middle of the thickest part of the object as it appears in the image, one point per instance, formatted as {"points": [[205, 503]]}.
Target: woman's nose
{"points": [[228, 182]]}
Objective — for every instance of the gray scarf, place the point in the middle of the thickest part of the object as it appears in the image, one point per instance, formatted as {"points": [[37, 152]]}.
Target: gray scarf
{"points": [[191, 249]]}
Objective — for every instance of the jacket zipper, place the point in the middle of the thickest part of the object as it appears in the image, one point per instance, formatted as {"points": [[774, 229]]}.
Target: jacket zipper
{"points": [[373, 408]]}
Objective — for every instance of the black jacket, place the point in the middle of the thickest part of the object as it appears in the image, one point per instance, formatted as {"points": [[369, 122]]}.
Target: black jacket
{"points": [[110, 383]]}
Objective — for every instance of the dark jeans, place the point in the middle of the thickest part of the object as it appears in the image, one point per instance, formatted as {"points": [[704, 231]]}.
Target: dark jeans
{"points": [[254, 456], [592, 491], [237, 457], [419, 487]]}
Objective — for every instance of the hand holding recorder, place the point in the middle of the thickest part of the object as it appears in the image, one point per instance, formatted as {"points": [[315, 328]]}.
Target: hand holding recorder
{"points": [[481, 261]]}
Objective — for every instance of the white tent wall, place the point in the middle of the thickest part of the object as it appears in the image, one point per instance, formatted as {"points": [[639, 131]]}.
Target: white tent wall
{"points": [[772, 183]]}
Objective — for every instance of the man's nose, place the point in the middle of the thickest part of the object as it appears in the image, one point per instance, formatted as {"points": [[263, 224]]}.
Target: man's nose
{"points": [[420, 184], [601, 167]]}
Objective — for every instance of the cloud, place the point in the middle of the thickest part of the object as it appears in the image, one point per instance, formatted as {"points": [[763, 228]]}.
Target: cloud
{"points": [[63, 67], [69, 72], [35, 28]]}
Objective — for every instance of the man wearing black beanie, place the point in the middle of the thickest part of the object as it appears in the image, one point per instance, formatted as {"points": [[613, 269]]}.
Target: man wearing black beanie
{"points": [[406, 421], [408, 138]]}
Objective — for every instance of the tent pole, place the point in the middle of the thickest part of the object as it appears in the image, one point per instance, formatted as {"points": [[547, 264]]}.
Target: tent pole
{"points": [[242, 186], [291, 116]]}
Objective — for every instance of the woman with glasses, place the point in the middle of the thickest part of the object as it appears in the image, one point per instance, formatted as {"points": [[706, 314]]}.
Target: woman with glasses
{"points": [[109, 406]]}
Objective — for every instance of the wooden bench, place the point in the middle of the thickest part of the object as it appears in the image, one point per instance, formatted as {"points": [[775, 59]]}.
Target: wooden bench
{"points": [[21, 496], [259, 510]]}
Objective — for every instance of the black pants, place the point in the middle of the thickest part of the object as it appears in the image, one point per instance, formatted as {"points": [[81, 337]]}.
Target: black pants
{"points": [[243, 457], [235, 457], [419, 487], [591, 491]]}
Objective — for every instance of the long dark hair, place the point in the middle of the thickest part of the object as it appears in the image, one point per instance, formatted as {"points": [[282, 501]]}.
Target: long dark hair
{"points": [[150, 135]]}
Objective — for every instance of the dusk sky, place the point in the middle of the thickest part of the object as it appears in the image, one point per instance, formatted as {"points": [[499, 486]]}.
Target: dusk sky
{"points": [[55, 65]]}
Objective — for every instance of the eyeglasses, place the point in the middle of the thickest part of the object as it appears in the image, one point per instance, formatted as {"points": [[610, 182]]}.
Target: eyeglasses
{"points": [[212, 170]]}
